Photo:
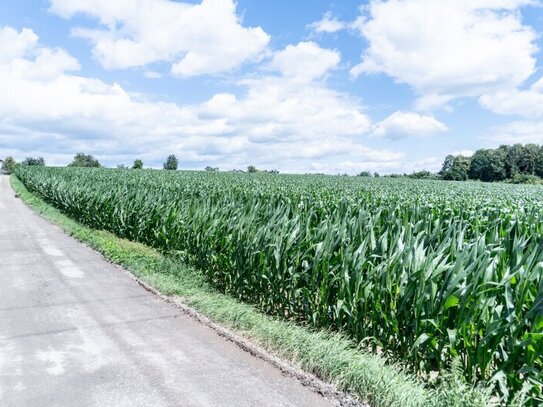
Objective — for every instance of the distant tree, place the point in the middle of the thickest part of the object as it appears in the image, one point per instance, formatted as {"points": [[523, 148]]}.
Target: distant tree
{"points": [[122, 167], [447, 166], [171, 163], [510, 163], [520, 159], [539, 163], [424, 174], [251, 169], [479, 164], [272, 171], [9, 164], [513, 157], [208, 168], [527, 164], [376, 175], [497, 165], [138, 165], [364, 174], [28, 161], [84, 160], [489, 165], [455, 168], [526, 179]]}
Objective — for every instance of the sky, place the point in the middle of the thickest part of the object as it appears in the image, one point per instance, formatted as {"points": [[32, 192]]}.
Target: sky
{"points": [[338, 86]]}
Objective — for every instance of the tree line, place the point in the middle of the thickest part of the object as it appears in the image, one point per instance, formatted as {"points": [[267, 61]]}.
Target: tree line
{"points": [[517, 163], [81, 160], [88, 160]]}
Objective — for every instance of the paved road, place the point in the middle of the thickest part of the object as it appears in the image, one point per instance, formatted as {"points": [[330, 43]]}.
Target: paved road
{"points": [[76, 331]]}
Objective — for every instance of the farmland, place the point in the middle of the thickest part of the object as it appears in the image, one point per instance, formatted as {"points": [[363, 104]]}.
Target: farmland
{"points": [[423, 271]]}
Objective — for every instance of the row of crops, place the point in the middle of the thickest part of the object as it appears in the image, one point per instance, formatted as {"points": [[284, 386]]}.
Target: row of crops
{"points": [[422, 271]]}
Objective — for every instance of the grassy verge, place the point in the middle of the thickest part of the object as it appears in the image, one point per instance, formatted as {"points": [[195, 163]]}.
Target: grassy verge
{"points": [[329, 356]]}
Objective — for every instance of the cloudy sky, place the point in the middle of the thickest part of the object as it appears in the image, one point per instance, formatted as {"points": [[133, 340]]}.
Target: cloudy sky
{"points": [[335, 86]]}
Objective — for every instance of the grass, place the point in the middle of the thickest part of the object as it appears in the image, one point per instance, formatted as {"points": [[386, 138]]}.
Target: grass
{"points": [[330, 356]]}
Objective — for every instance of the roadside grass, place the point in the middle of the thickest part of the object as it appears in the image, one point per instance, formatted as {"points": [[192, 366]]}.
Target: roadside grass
{"points": [[329, 356]]}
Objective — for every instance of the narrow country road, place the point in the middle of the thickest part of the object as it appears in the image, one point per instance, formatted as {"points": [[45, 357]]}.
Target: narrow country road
{"points": [[76, 331]]}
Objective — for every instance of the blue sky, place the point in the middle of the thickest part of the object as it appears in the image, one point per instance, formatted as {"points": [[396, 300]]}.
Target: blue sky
{"points": [[294, 85]]}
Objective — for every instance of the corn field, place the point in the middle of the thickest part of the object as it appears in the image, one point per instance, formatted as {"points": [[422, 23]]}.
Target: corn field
{"points": [[423, 271]]}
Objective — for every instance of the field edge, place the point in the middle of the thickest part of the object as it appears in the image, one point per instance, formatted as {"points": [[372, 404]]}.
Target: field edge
{"points": [[330, 357]]}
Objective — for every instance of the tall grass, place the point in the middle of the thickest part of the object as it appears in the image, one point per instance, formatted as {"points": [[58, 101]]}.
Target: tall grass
{"points": [[422, 271]]}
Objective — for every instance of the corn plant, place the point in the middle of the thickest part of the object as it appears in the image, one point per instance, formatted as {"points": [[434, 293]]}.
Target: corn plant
{"points": [[426, 272]]}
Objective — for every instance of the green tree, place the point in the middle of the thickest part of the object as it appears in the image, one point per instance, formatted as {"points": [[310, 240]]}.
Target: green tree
{"points": [[447, 166], [9, 164], [526, 179], [455, 168], [489, 165], [171, 163], [84, 160], [208, 168], [513, 156], [539, 163], [39, 161], [252, 169], [138, 165], [520, 159], [424, 174], [529, 159], [364, 174]]}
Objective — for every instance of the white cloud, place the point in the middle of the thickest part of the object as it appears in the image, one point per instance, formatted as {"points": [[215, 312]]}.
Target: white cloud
{"points": [[205, 38], [15, 44], [522, 131], [294, 115], [328, 24], [305, 61], [465, 153], [432, 164], [47, 64], [449, 48], [408, 124], [527, 103], [152, 75], [278, 121]]}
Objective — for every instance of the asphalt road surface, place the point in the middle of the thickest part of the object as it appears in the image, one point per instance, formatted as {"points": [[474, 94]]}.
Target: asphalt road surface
{"points": [[77, 331]]}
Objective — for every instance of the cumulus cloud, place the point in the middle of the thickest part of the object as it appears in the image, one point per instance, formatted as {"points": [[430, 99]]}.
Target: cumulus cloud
{"points": [[522, 131], [448, 49], [304, 61], [277, 121], [204, 38], [527, 103], [432, 164], [16, 44], [408, 124], [329, 24]]}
